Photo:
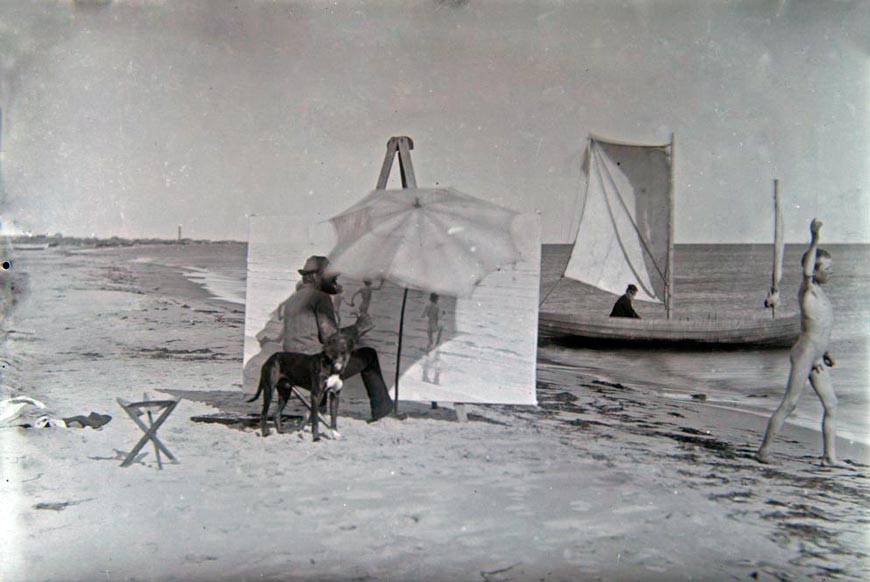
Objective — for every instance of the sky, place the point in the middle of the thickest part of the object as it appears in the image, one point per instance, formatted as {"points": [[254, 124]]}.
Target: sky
{"points": [[131, 117]]}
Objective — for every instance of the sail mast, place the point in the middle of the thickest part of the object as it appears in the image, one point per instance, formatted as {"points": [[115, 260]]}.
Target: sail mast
{"points": [[669, 284]]}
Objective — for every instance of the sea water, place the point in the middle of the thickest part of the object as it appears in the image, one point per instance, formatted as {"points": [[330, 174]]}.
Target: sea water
{"points": [[731, 281], [711, 281]]}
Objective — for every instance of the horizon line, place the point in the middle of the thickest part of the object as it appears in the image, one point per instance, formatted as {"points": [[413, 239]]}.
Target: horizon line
{"points": [[48, 237]]}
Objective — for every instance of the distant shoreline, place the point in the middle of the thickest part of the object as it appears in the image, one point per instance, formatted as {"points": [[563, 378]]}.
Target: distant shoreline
{"points": [[91, 242]]}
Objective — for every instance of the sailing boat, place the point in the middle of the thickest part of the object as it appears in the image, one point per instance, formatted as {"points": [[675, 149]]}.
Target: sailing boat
{"points": [[626, 236]]}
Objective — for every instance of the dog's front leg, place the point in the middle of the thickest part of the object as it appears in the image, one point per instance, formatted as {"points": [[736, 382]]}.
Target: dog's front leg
{"points": [[316, 394], [333, 409], [334, 414], [264, 416], [333, 386], [283, 398]]}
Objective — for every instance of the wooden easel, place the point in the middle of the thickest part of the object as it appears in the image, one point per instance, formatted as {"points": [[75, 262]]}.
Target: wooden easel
{"points": [[401, 147]]}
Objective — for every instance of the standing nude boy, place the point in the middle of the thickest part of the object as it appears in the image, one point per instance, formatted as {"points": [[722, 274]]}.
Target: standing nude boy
{"points": [[434, 327], [809, 357]]}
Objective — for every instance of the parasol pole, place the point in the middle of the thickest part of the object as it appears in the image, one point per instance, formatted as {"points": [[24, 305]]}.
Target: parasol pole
{"points": [[401, 147], [399, 350]]}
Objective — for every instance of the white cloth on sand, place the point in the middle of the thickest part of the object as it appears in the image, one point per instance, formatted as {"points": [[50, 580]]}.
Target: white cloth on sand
{"points": [[25, 411]]}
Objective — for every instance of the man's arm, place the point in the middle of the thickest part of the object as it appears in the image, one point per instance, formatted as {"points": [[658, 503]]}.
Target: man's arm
{"points": [[810, 259], [324, 312]]}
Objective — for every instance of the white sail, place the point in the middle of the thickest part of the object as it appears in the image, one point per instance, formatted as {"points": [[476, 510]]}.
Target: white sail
{"points": [[625, 226]]}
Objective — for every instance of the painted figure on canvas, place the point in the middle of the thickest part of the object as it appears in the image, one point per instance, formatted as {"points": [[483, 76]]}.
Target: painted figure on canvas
{"points": [[434, 328], [365, 295]]}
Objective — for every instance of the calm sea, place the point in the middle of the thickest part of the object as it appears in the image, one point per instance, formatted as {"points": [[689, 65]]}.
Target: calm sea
{"points": [[711, 281]]}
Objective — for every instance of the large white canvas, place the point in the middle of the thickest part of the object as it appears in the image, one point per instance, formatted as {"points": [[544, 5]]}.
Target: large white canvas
{"points": [[488, 346]]}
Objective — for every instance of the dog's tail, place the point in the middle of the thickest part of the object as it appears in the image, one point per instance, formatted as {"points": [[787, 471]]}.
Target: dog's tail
{"points": [[264, 378]]}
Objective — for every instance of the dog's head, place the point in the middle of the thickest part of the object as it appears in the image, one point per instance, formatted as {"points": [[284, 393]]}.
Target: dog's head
{"points": [[336, 352]]}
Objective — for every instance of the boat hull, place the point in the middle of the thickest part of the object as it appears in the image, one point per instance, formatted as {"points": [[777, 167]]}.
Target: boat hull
{"points": [[778, 332]]}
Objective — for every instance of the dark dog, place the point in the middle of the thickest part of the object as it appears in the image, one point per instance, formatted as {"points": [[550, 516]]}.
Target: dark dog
{"points": [[319, 374]]}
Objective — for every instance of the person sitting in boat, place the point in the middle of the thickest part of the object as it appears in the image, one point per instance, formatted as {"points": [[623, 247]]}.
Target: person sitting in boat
{"points": [[623, 307]]}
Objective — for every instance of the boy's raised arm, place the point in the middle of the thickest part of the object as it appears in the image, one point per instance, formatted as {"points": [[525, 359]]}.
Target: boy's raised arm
{"points": [[810, 257]]}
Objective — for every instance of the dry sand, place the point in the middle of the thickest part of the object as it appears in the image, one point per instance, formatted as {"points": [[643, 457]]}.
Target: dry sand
{"points": [[601, 482]]}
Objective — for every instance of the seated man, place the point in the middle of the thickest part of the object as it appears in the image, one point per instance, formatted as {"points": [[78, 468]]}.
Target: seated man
{"points": [[622, 307], [309, 318]]}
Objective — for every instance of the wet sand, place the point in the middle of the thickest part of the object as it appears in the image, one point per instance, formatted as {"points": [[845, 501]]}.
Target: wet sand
{"points": [[601, 481]]}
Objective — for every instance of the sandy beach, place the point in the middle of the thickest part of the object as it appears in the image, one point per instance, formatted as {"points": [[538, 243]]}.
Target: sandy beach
{"points": [[602, 481]]}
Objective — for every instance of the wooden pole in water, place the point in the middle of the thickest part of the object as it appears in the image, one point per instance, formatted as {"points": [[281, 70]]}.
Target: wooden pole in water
{"points": [[778, 245], [669, 296]]}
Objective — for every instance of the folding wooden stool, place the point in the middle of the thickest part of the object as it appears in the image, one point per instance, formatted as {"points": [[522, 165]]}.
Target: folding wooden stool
{"points": [[314, 409], [135, 410]]}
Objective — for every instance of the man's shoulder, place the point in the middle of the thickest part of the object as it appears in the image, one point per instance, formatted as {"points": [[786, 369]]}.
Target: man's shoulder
{"points": [[306, 296]]}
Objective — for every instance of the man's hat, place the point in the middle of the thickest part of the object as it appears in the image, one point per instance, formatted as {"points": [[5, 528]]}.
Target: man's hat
{"points": [[314, 264]]}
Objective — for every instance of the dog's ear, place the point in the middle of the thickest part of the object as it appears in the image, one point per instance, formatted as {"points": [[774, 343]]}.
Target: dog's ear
{"points": [[349, 335], [343, 336]]}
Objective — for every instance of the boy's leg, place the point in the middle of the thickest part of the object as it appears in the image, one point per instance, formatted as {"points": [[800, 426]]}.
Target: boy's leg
{"points": [[800, 369], [820, 379]]}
